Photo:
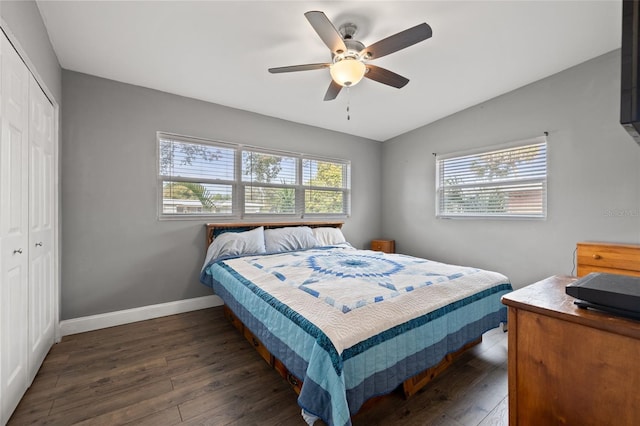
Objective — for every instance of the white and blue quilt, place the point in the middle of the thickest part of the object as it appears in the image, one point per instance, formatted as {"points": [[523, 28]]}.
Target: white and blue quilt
{"points": [[354, 324]]}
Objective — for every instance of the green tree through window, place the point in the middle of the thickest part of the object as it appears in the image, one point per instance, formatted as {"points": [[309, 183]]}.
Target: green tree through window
{"points": [[328, 175]]}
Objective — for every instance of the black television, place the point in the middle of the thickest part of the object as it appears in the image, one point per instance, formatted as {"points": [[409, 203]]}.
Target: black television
{"points": [[630, 69]]}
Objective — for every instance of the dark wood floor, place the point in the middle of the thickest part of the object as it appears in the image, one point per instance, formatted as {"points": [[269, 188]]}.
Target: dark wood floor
{"points": [[196, 369]]}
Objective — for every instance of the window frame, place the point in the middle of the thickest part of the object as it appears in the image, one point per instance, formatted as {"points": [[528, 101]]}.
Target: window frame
{"points": [[543, 181], [239, 185]]}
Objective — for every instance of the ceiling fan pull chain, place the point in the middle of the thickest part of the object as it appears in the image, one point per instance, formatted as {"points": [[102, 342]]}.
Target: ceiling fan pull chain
{"points": [[348, 103]]}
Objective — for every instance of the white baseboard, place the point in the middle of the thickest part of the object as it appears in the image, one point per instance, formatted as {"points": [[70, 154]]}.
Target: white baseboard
{"points": [[111, 319]]}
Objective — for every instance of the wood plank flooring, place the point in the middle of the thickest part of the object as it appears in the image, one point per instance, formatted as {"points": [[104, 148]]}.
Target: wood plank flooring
{"points": [[196, 369]]}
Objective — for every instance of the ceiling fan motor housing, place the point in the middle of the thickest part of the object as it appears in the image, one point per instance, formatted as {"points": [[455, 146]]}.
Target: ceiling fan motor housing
{"points": [[354, 47]]}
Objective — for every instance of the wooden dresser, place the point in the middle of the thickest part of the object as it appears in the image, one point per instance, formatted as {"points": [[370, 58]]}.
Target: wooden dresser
{"points": [[572, 366]]}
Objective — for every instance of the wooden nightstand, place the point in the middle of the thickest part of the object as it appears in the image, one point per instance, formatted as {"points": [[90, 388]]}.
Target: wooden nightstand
{"points": [[387, 246]]}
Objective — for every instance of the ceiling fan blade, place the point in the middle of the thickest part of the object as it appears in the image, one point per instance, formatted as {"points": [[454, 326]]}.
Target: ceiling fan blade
{"points": [[327, 32], [385, 76], [332, 91], [398, 41], [305, 67]]}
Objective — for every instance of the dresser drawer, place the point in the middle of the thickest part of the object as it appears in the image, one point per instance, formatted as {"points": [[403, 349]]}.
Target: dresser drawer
{"points": [[611, 258], [387, 246]]}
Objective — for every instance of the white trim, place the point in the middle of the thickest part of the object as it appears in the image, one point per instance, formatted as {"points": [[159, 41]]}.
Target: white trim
{"points": [[492, 148], [58, 222], [127, 316], [25, 58]]}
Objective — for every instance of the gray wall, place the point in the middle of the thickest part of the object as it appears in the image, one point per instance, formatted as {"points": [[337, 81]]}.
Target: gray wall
{"points": [[25, 23], [116, 254], [593, 176]]}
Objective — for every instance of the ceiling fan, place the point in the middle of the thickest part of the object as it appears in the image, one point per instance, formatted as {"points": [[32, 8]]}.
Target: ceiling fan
{"points": [[350, 57]]}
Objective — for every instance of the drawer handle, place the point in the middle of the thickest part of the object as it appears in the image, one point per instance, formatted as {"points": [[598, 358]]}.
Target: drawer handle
{"points": [[255, 342], [292, 380], [597, 256]]}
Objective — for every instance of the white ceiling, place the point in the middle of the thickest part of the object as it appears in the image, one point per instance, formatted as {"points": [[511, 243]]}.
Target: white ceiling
{"points": [[219, 51]]}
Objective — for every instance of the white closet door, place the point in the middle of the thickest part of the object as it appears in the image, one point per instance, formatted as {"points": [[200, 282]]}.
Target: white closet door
{"points": [[41, 259], [14, 113]]}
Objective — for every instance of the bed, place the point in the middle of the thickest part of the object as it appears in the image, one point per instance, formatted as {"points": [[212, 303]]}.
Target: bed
{"points": [[345, 326]]}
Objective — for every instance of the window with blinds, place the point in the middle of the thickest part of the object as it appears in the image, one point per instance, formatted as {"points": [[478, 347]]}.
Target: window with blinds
{"points": [[326, 186], [208, 178], [508, 182], [269, 182]]}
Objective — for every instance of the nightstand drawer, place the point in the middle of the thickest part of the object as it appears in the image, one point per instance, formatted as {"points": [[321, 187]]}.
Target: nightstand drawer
{"points": [[612, 258], [387, 246]]}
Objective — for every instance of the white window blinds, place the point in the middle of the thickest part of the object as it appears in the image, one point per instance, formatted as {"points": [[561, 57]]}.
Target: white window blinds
{"points": [[326, 186], [196, 178], [269, 183], [208, 178], [506, 182]]}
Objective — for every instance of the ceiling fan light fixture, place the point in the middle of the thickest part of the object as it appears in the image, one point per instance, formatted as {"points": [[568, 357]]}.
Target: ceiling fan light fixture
{"points": [[347, 72]]}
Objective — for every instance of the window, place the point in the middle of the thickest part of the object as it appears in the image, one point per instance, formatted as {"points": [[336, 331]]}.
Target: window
{"points": [[326, 186], [507, 182], [206, 178], [270, 183]]}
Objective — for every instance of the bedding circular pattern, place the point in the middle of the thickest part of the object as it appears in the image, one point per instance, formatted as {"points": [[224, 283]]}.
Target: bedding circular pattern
{"points": [[352, 266]]}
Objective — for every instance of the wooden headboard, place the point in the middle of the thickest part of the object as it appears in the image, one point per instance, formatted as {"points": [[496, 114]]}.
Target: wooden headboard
{"points": [[623, 259], [215, 229]]}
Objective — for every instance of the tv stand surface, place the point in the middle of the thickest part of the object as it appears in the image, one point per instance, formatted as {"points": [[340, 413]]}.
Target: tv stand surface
{"points": [[569, 365]]}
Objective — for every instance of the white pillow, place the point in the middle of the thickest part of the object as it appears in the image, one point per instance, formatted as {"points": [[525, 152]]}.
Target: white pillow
{"points": [[236, 244], [329, 236], [289, 239]]}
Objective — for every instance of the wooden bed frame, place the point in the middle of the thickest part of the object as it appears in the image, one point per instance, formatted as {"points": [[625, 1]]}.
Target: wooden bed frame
{"points": [[409, 387], [214, 228]]}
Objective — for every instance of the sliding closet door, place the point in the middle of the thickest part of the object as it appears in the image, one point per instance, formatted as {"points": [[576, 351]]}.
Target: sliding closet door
{"points": [[41, 259], [14, 112]]}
